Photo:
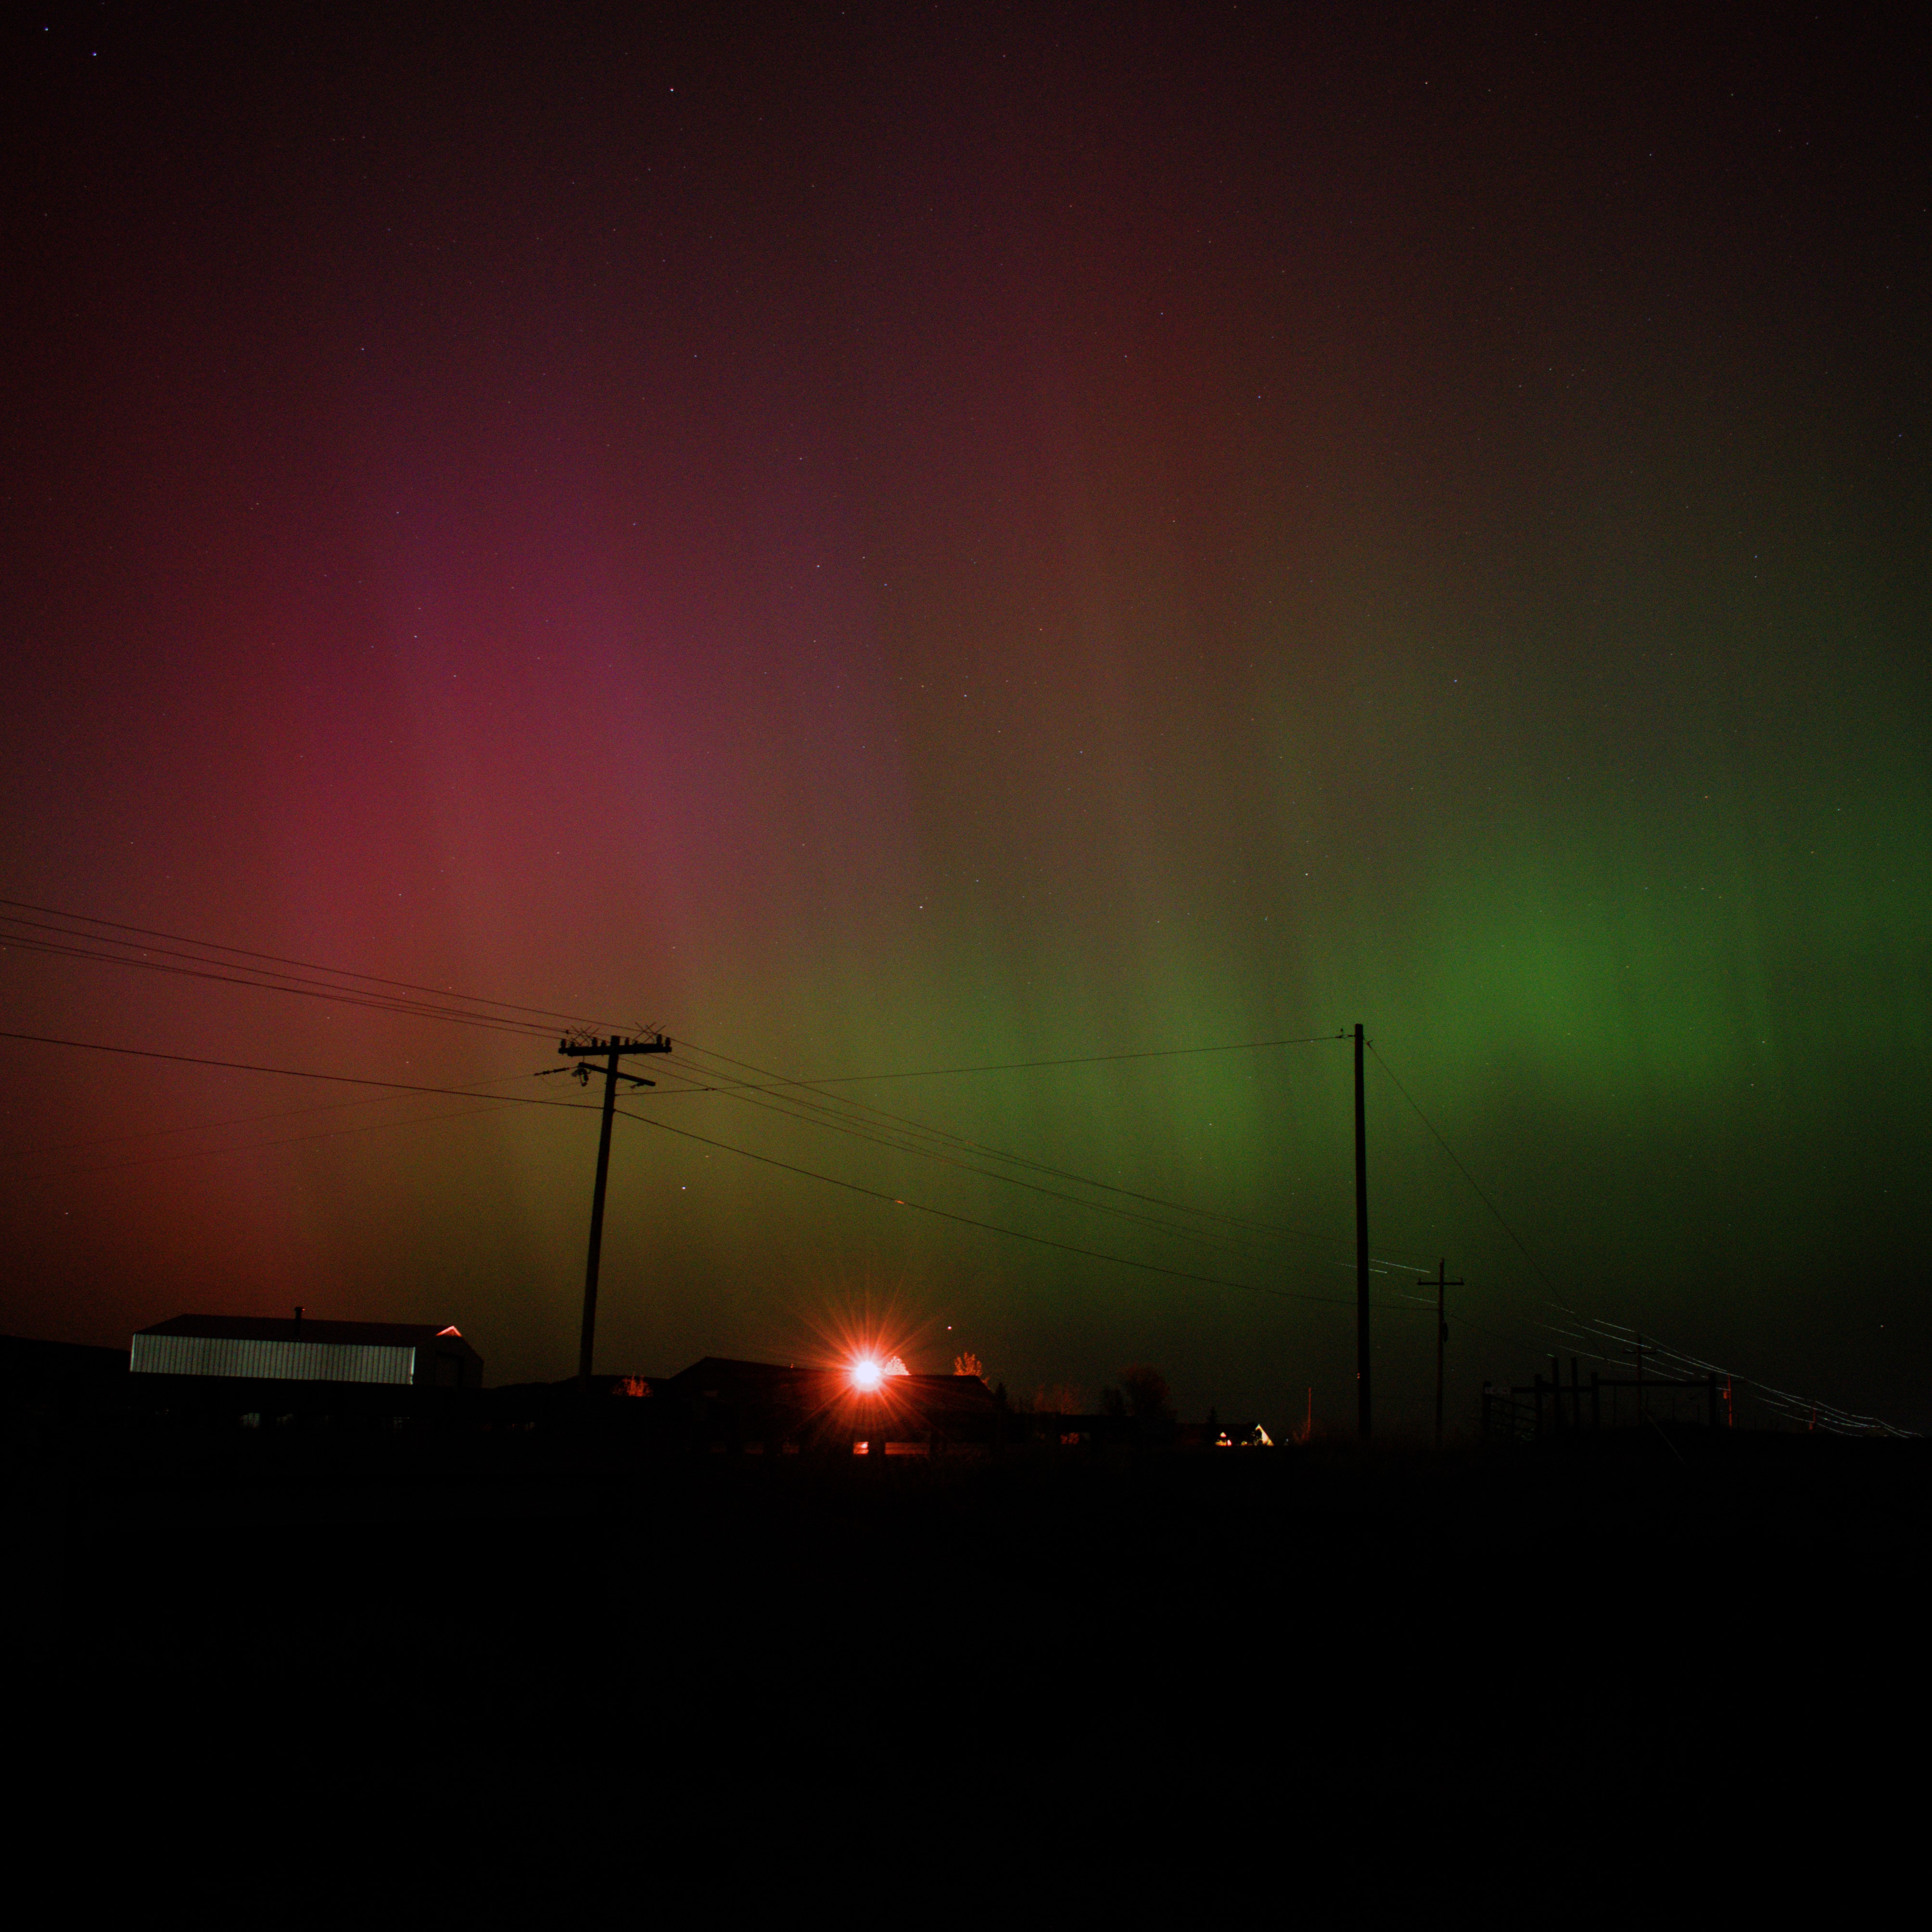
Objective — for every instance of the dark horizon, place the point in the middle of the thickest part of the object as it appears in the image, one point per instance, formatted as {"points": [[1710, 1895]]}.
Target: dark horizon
{"points": [[891, 548]]}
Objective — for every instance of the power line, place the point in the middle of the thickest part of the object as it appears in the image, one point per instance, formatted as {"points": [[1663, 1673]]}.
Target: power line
{"points": [[991, 1227], [787, 1096], [1019, 1160], [1595, 1326], [863, 1130], [1483, 1196], [683, 1133], [263, 982], [732, 1088], [547, 1014], [225, 971], [1079, 1060], [291, 1073], [821, 1115], [899, 1133], [1781, 1400]]}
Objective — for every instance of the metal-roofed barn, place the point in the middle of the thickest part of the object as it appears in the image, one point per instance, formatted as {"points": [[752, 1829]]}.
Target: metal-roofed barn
{"points": [[256, 1348]]}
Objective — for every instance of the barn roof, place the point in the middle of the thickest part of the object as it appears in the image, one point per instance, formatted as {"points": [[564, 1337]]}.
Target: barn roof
{"points": [[351, 1334]]}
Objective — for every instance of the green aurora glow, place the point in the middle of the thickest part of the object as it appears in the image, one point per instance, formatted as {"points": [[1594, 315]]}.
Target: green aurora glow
{"points": [[1201, 539]]}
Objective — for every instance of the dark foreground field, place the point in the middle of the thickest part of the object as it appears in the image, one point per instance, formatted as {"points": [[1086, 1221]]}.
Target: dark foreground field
{"points": [[1319, 1670]]}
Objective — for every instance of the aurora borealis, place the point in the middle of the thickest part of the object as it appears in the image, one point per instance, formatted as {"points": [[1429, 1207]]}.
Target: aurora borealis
{"points": [[877, 544]]}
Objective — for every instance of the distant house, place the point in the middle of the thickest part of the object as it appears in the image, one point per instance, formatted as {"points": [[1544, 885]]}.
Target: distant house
{"points": [[726, 1405], [255, 1349]]}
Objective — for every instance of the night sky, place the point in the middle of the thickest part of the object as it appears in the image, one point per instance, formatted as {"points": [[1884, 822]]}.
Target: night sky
{"points": [[878, 539]]}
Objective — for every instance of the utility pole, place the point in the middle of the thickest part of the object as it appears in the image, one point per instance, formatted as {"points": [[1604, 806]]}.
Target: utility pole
{"points": [[1361, 1246], [1441, 1282], [583, 1047]]}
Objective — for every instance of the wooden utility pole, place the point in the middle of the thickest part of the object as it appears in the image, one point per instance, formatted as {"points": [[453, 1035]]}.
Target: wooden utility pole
{"points": [[1440, 1284], [583, 1047], [1361, 1247]]}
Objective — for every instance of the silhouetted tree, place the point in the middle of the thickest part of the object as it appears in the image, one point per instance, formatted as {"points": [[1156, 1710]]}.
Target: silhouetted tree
{"points": [[1147, 1394]]}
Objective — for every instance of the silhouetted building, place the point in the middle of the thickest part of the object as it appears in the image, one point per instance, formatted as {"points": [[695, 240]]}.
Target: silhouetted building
{"points": [[254, 1349], [755, 1406]]}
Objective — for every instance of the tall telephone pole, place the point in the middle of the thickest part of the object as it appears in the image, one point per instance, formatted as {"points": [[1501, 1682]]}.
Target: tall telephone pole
{"points": [[1440, 1283], [1361, 1245], [584, 1047]]}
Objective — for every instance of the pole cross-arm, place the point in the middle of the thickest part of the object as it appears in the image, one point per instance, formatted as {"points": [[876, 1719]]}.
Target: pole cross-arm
{"points": [[591, 1046]]}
